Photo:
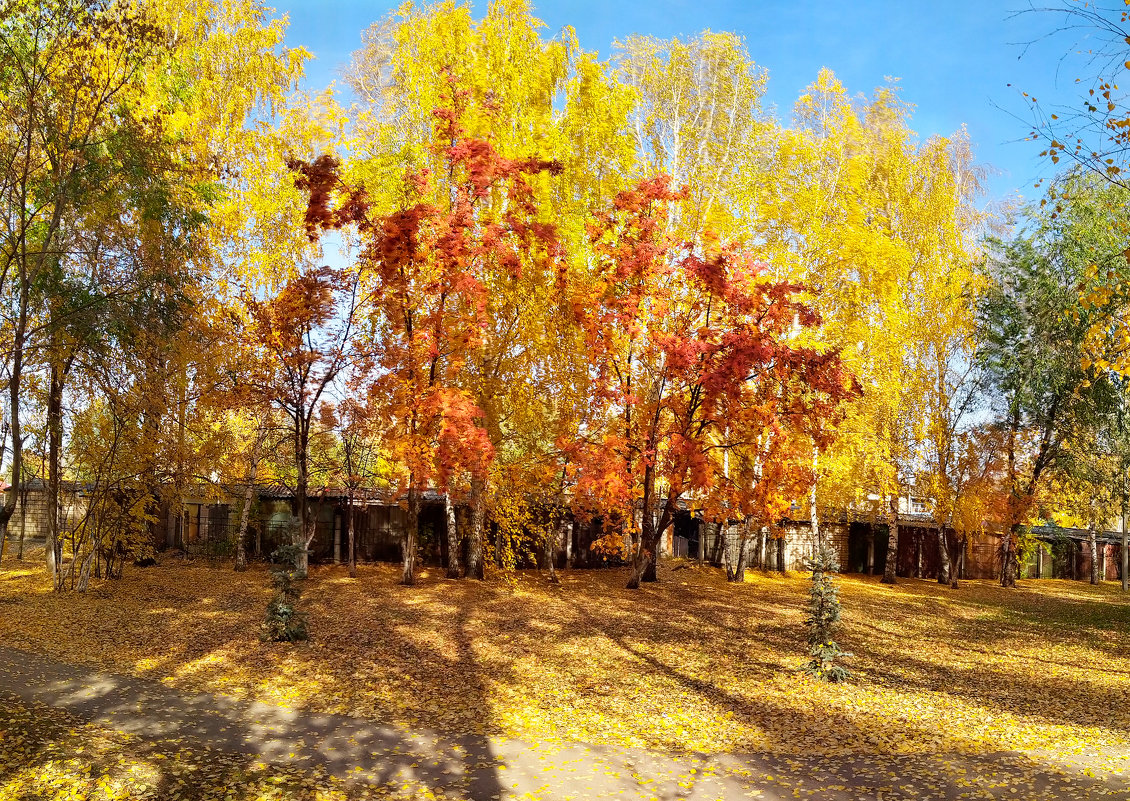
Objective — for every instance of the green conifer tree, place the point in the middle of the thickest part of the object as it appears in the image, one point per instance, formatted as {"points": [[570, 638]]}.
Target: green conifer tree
{"points": [[823, 617]]}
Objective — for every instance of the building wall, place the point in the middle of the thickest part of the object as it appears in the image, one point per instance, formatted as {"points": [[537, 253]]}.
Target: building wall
{"points": [[1110, 558], [982, 557], [30, 518], [793, 542]]}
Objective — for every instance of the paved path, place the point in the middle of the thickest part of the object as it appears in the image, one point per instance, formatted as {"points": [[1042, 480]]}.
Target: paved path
{"points": [[489, 768]]}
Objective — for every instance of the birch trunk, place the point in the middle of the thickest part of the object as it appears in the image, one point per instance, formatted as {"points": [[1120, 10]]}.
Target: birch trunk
{"points": [[454, 563], [1125, 556], [84, 574], [736, 563], [817, 540], [302, 512], [245, 514], [351, 533], [891, 566], [1092, 544], [54, 446], [943, 555]]}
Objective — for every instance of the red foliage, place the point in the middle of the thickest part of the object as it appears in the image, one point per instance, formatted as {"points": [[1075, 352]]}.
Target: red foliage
{"points": [[698, 372], [429, 265]]}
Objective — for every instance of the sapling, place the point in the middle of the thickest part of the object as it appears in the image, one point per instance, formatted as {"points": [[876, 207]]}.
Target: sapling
{"points": [[823, 617], [284, 621]]}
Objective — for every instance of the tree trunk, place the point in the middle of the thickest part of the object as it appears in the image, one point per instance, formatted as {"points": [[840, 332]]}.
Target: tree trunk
{"points": [[241, 535], [15, 378], [570, 535], [411, 526], [650, 570], [728, 559], [4, 531], [23, 524], [735, 569], [245, 514], [84, 574], [943, 556], [645, 548], [302, 512], [551, 544], [475, 567], [54, 447], [1008, 565], [454, 563], [1125, 556], [352, 535], [1092, 544], [814, 522], [642, 557], [891, 566]]}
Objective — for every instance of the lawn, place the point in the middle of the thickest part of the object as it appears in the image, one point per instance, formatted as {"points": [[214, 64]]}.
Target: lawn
{"points": [[689, 664]]}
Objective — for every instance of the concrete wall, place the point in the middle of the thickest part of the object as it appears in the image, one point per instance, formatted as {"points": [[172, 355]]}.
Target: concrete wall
{"points": [[30, 519], [794, 539]]}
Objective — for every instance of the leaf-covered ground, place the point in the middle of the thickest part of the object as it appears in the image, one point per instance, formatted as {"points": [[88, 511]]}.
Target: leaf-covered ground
{"points": [[47, 753], [689, 664]]}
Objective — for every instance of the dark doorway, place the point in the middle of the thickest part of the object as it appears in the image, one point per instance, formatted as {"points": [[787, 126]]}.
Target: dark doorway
{"points": [[687, 526], [858, 535], [882, 538]]}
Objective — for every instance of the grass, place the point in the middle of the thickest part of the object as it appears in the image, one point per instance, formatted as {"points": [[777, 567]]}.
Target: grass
{"points": [[689, 664]]}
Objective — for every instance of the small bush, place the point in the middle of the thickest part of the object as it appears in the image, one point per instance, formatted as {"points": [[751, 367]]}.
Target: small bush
{"points": [[823, 617], [284, 622]]}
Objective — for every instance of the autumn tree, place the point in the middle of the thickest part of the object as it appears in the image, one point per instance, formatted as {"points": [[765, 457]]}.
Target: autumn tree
{"points": [[698, 118], [954, 407], [357, 463], [880, 227], [531, 97], [306, 336], [108, 167], [694, 355], [1033, 335], [66, 127], [432, 269]]}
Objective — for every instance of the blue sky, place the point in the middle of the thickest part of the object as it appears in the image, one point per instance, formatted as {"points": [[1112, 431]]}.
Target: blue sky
{"points": [[954, 59]]}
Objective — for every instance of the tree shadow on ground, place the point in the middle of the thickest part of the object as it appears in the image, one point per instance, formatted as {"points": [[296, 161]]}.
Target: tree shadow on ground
{"points": [[240, 734], [449, 645], [47, 753]]}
